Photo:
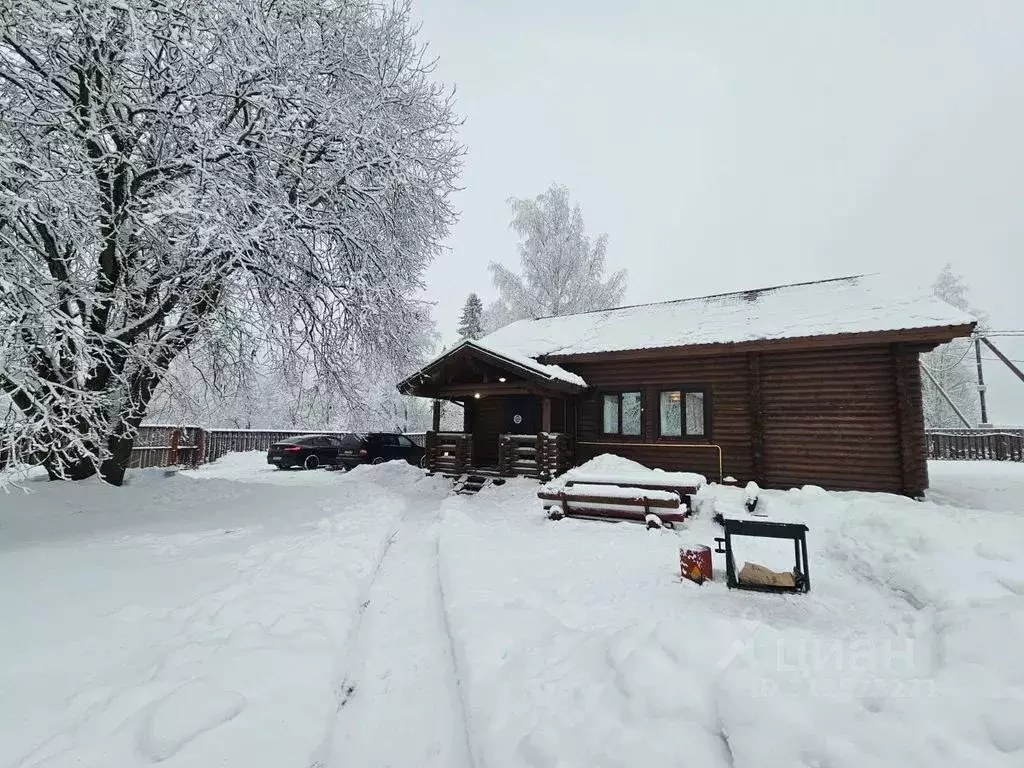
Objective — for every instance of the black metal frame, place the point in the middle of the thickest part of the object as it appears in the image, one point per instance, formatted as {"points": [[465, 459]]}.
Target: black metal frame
{"points": [[601, 395], [766, 530], [702, 389]]}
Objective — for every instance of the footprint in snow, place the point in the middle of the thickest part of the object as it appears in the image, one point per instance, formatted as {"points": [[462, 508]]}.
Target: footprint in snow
{"points": [[171, 722]]}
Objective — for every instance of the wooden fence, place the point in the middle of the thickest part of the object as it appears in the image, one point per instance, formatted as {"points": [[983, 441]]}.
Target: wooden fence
{"points": [[165, 445], [975, 444]]}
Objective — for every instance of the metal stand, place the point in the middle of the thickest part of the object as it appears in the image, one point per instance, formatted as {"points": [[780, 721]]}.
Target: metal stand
{"points": [[767, 530]]}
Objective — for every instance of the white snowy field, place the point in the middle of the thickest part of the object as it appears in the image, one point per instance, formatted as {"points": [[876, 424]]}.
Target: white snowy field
{"points": [[238, 616]]}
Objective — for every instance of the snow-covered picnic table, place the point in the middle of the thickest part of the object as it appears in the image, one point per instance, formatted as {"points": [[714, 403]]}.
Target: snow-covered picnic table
{"points": [[611, 486], [622, 492], [610, 471], [651, 479], [613, 501]]}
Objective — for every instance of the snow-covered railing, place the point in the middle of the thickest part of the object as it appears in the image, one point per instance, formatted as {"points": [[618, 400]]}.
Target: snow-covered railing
{"points": [[975, 444], [543, 455]]}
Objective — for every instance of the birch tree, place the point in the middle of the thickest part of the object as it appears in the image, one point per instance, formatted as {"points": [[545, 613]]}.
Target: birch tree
{"points": [[952, 364], [562, 268], [176, 171]]}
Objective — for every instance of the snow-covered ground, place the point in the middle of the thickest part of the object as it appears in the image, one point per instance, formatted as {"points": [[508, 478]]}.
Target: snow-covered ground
{"points": [[240, 616]]}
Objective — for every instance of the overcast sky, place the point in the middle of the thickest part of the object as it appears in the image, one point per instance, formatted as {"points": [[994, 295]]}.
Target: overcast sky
{"points": [[733, 145]]}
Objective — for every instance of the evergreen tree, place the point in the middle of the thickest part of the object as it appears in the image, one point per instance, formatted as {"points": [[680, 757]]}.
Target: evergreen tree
{"points": [[471, 320]]}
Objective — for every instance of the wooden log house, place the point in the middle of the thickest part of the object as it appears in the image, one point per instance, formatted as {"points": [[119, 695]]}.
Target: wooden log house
{"points": [[813, 383]]}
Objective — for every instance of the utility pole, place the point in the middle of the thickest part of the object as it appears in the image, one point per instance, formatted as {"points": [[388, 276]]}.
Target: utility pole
{"points": [[981, 380], [1009, 363]]}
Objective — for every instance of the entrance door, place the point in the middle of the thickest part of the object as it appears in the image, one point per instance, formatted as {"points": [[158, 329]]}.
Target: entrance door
{"points": [[520, 415], [485, 418]]}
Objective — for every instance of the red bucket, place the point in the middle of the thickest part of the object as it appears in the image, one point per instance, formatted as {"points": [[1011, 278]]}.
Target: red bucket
{"points": [[695, 563]]}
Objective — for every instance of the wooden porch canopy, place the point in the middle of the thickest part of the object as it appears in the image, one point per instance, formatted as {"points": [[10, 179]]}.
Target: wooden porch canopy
{"points": [[471, 368]]}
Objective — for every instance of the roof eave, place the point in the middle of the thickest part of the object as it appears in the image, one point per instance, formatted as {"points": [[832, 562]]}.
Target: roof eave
{"points": [[407, 385], [932, 335]]}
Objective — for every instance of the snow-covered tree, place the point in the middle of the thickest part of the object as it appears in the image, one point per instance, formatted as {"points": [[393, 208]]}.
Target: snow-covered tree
{"points": [[953, 364], [562, 269], [274, 393], [191, 174], [471, 319]]}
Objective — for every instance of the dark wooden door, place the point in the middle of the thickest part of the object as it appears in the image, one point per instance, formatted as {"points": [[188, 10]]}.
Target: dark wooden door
{"points": [[520, 415], [484, 418]]}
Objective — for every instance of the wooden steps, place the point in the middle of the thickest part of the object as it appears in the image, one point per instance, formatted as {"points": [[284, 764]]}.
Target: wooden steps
{"points": [[471, 482]]}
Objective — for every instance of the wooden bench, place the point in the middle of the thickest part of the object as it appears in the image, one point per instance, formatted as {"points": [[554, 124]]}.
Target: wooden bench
{"points": [[685, 484], [604, 501]]}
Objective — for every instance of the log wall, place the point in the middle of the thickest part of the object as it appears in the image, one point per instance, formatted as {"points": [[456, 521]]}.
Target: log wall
{"points": [[845, 419], [725, 378], [830, 419]]}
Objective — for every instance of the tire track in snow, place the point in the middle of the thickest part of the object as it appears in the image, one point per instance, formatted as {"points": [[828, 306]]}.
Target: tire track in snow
{"points": [[402, 668], [455, 676], [344, 688]]}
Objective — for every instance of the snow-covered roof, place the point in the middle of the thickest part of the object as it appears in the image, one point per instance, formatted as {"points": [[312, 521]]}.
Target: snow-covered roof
{"points": [[849, 305], [512, 358], [846, 305], [554, 372]]}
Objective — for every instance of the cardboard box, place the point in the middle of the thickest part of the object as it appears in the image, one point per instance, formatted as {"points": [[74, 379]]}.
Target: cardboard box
{"points": [[752, 573]]}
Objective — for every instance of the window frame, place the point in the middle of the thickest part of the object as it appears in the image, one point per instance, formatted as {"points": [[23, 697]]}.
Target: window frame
{"points": [[619, 393], [683, 390]]}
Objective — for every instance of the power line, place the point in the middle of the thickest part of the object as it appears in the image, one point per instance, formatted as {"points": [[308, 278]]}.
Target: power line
{"points": [[955, 365]]}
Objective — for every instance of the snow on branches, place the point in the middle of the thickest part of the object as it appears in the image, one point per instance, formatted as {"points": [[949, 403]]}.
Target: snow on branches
{"points": [[471, 318], [172, 169], [562, 268], [952, 365]]}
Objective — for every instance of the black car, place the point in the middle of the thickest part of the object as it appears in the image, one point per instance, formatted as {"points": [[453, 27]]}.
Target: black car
{"points": [[312, 451], [378, 447]]}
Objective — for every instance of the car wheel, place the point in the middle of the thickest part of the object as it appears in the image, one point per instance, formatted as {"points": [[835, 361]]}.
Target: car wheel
{"points": [[311, 462], [423, 461], [378, 460]]}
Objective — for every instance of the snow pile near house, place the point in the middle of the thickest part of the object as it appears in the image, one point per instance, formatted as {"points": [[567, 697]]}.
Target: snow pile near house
{"points": [[578, 644], [609, 468]]}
